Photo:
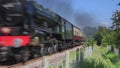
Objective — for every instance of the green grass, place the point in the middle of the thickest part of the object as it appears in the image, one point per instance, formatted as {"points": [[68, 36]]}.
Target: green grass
{"points": [[51, 66], [72, 55], [101, 58]]}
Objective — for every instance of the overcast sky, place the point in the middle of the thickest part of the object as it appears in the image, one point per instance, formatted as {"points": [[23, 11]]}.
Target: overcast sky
{"points": [[84, 12]]}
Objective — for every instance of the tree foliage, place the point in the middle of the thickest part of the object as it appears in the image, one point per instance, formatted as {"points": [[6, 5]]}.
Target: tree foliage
{"points": [[116, 20], [110, 36], [116, 27], [102, 36]]}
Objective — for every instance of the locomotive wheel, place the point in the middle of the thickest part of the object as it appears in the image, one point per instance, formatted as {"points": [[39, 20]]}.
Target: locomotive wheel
{"points": [[18, 58], [42, 51], [55, 48], [49, 50], [26, 56]]}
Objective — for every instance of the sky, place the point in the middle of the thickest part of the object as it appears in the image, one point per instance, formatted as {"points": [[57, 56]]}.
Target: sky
{"points": [[84, 12]]}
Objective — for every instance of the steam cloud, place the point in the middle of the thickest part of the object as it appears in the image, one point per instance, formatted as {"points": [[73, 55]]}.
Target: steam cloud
{"points": [[65, 9]]}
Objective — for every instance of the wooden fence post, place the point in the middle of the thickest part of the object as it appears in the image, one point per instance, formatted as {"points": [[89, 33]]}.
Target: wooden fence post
{"points": [[67, 59], [45, 62]]}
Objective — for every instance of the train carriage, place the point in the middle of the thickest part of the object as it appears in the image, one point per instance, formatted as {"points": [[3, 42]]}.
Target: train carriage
{"points": [[78, 35]]}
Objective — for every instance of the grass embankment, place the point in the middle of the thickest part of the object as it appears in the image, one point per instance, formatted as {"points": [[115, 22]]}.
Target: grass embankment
{"points": [[101, 58]]}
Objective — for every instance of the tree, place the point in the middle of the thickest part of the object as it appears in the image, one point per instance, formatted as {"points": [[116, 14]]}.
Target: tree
{"points": [[99, 34], [119, 3], [105, 36], [116, 20], [116, 27]]}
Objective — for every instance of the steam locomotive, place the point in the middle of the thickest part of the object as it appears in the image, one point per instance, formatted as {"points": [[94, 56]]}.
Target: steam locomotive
{"points": [[29, 30]]}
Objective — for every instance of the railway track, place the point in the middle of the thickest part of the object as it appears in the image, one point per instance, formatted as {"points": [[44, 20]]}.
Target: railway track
{"points": [[42, 62]]}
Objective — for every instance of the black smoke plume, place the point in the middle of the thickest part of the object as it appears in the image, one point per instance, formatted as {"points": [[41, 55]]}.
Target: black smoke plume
{"points": [[65, 9]]}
